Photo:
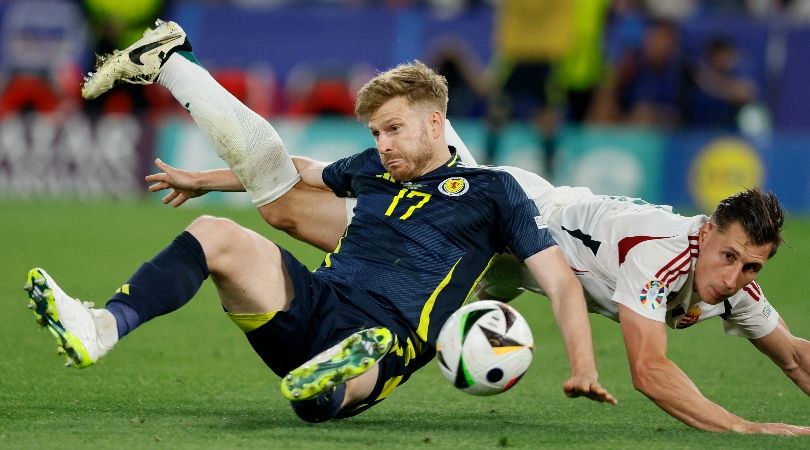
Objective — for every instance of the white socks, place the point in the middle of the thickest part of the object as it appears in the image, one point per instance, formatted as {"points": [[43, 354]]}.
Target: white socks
{"points": [[106, 330], [243, 139]]}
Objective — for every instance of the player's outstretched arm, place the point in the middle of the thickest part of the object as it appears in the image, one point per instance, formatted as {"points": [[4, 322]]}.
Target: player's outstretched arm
{"points": [[568, 304], [184, 185], [308, 212], [790, 353], [670, 388]]}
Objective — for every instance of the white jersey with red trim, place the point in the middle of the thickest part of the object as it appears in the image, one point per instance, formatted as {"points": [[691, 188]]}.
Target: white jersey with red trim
{"points": [[627, 251]]}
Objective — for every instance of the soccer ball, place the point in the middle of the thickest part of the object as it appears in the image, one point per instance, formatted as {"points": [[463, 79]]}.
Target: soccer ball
{"points": [[485, 347]]}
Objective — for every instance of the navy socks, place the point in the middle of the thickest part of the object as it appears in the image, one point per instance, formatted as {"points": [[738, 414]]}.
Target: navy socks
{"points": [[161, 285], [322, 407]]}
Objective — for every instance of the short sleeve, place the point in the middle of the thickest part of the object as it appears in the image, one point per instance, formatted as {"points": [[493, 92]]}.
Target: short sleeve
{"points": [[525, 232], [637, 286], [339, 175], [751, 315]]}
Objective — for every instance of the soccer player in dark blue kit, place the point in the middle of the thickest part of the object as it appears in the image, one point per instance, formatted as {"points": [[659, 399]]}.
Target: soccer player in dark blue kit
{"points": [[424, 231]]}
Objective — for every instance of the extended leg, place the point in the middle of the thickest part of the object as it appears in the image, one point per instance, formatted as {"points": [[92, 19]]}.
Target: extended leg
{"points": [[245, 141]]}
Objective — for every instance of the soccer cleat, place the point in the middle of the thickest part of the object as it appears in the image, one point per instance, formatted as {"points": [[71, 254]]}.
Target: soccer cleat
{"points": [[74, 323], [349, 359], [140, 63]]}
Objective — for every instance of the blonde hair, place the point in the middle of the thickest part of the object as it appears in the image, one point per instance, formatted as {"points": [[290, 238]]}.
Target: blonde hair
{"points": [[414, 81]]}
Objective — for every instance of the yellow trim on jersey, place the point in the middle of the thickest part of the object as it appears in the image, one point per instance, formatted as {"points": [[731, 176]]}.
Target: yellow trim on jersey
{"points": [[250, 322], [478, 280], [399, 351], [389, 387], [424, 318], [327, 260], [124, 289], [453, 160]]}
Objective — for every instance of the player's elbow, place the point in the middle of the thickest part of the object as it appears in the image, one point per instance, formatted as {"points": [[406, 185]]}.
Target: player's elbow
{"points": [[646, 378]]}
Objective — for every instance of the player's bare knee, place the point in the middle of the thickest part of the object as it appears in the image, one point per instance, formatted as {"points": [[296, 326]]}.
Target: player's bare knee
{"points": [[219, 237]]}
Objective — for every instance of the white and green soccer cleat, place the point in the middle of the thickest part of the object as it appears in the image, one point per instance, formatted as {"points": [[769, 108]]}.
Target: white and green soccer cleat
{"points": [[140, 63], [349, 359], [82, 333]]}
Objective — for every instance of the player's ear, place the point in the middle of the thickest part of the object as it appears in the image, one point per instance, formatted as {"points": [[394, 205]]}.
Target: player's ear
{"points": [[705, 230], [436, 124]]}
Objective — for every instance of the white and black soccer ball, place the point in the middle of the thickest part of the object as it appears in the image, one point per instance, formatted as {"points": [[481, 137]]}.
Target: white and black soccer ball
{"points": [[485, 347]]}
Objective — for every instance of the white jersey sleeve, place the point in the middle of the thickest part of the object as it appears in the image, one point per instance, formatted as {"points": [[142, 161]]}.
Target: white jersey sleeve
{"points": [[649, 272], [749, 314]]}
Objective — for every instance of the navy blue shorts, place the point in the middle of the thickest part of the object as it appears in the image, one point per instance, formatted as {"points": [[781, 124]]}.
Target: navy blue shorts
{"points": [[323, 313]]}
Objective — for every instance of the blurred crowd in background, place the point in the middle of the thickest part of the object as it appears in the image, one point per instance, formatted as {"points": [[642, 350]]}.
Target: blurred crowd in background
{"points": [[552, 63]]}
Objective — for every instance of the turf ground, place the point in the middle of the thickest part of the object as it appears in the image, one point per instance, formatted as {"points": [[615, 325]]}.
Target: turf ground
{"points": [[190, 380]]}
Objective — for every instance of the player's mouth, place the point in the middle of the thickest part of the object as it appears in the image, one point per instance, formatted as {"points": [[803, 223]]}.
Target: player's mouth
{"points": [[717, 296], [393, 164]]}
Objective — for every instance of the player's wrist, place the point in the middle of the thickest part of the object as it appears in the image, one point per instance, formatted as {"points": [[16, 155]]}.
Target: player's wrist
{"points": [[742, 426], [202, 181]]}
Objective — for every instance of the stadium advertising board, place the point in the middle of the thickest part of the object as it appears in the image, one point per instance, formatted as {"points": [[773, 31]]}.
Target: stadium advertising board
{"points": [[76, 157], [705, 166]]}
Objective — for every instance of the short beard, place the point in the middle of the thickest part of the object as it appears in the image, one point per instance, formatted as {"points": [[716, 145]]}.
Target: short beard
{"points": [[422, 157]]}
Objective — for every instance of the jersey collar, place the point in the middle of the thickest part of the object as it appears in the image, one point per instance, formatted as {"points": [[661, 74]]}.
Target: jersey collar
{"points": [[453, 157]]}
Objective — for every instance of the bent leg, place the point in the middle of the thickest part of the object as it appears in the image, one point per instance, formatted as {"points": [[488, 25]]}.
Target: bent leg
{"points": [[243, 139], [245, 267]]}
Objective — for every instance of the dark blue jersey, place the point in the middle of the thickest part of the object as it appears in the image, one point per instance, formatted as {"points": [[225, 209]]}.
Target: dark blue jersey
{"points": [[419, 247]]}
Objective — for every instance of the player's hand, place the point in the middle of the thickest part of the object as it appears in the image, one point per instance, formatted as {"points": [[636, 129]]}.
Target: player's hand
{"points": [[587, 387], [181, 183], [782, 429]]}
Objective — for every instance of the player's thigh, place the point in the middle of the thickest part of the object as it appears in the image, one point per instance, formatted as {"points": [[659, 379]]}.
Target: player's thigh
{"points": [[315, 216], [245, 266]]}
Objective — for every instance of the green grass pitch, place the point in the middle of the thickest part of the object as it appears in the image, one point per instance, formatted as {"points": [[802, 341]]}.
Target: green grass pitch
{"points": [[190, 380]]}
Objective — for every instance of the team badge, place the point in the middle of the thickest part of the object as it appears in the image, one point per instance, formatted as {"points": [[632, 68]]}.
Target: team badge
{"points": [[653, 294], [690, 318], [454, 186], [767, 310]]}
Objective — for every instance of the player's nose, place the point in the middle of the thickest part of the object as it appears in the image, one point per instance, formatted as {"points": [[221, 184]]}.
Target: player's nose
{"points": [[730, 279], [384, 143]]}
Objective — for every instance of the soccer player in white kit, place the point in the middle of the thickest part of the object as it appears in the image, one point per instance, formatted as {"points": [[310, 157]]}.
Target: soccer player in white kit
{"points": [[628, 252], [645, 266]]}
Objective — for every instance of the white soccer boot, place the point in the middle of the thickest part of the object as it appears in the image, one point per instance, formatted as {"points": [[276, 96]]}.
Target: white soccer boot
{"points": [[82, 333], [140, 63]]}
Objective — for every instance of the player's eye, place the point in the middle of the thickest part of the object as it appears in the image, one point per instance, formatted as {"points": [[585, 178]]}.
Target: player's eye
{"points": [[730, 257], [755, 268]]}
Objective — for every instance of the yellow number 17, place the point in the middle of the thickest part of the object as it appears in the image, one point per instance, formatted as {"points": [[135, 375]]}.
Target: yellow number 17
{"points": [[412, 208]]}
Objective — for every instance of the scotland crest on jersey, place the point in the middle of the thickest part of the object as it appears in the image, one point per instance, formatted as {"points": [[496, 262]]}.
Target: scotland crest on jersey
{"points": [[454, 186]]}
